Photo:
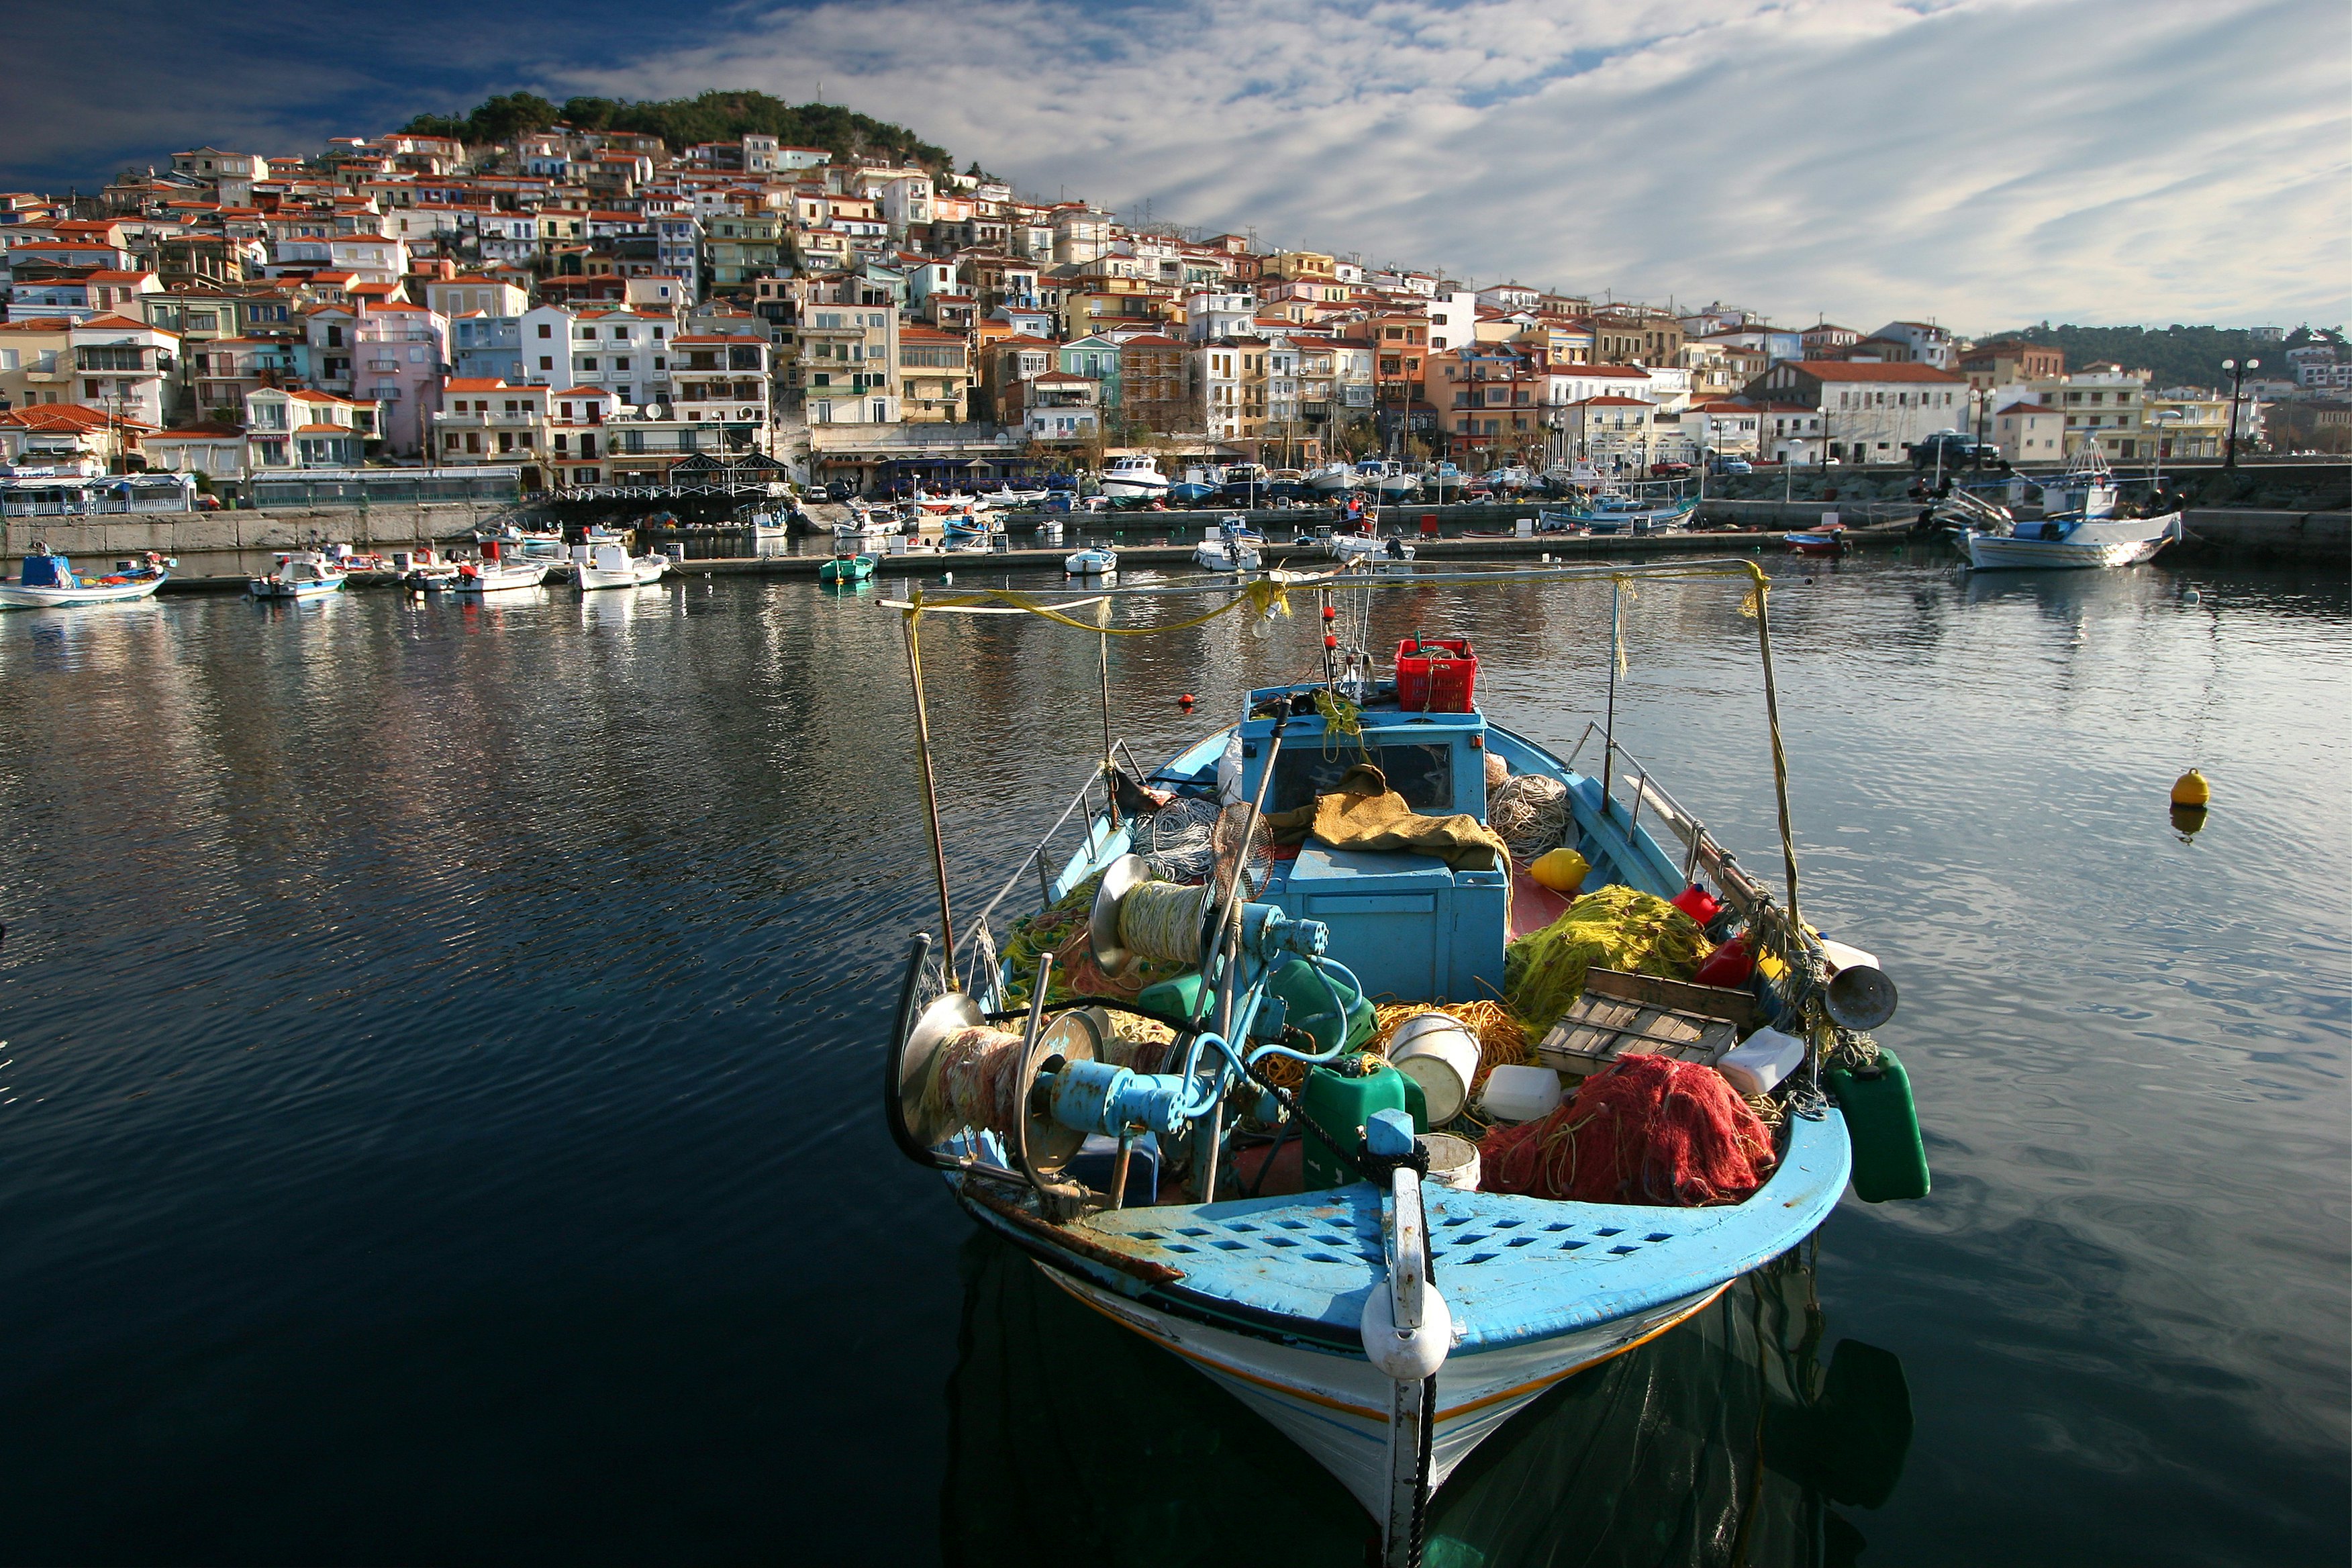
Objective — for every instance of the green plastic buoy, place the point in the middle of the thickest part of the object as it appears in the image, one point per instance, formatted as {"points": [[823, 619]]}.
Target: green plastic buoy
{"points": [[1890, 1159]]}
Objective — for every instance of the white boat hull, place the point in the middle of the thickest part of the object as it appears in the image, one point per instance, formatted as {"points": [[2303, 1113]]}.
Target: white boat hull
{"points": [[2120, 542], [1135, 487], [262, 588], [1091, 564], [1337, 1407], [1218, 557], [502, 580], [13, 597]]}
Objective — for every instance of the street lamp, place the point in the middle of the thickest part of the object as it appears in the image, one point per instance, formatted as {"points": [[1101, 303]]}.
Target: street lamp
{"points": [[2162, 418], [2237, 386]]}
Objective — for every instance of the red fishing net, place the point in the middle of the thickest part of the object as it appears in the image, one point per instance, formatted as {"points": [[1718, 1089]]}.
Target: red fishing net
{"points": [[1643, 1130]]}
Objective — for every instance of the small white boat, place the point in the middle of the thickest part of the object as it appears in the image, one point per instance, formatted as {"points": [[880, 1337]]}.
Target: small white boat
{"points": [[46, 580], [301, 575], [1093, 562], [2072, 543], [1134, 478], [1352, 548], [611, 566], [1395, 483], [2081, 531], [1232, 548], [1012, 500], [496, 576]]}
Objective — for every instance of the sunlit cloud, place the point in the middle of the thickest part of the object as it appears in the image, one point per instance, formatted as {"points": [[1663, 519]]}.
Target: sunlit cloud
{"points": [[1983, 162]]}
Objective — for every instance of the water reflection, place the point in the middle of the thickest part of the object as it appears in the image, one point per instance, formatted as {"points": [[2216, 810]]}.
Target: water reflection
{"points": [[1728, 1441]]}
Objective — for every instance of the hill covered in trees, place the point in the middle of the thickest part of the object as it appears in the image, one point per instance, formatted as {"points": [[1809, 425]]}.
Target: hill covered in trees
{"points": [[681, 123], [2174, 355]]}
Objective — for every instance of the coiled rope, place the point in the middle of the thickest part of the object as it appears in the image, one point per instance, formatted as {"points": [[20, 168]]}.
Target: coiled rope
{"points": [[1530, 812], [1163, 920], [975, 1081]]}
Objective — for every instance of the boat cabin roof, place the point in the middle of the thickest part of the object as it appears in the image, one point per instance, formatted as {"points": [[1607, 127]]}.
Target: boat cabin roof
{"points": [[1436, 760]]}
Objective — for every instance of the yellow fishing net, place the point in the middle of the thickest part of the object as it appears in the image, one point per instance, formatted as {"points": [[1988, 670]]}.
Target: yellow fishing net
{"points": [[1618, 928], [1062, 931]]}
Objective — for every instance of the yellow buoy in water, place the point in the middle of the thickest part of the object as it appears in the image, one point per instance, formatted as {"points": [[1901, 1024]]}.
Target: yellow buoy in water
{"points": [[2190, 789], [1561, 870]]}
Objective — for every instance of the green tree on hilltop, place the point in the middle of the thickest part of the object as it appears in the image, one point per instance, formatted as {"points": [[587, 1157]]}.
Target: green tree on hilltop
{"points": [[682, 122]]}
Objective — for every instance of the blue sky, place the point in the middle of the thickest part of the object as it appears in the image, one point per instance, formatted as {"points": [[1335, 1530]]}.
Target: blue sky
{"points": [[1986, 163]]}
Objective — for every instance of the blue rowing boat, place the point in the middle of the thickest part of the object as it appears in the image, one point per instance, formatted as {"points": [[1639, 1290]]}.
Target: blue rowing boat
{"points": [[1387, 1323]]}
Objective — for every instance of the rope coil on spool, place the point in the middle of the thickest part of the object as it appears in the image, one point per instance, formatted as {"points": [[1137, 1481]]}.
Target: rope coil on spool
{"points": [[1163, 920], [975, 1081]]}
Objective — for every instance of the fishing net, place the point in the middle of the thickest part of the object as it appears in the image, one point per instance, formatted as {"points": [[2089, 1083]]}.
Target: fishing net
{"points": [[1617, 928], [1061, 930], [1240, 836], [1643, 1130], [1530, 812]]}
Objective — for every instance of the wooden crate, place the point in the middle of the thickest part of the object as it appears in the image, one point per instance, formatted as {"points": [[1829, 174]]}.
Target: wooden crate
{"points": [[1632, 1013]]}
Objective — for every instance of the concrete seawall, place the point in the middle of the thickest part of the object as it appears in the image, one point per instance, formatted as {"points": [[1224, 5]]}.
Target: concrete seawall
{"points": [[199, 532]]}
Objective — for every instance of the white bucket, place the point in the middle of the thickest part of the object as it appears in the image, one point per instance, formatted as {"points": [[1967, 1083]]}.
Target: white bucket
{"points": [[1526, 528], [1520, 1094], [1441, 1056], [1453, 1162]]}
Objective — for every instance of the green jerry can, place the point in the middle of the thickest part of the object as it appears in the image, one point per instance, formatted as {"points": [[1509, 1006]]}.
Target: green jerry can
{"points": [[1890, 1159], [1305, 1001], [1340, 1104]]}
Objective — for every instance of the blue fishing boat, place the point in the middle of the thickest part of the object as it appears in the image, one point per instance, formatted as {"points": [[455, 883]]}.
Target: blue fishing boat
{"points": [[47, 580], [1128, 1136], [299, 574]]}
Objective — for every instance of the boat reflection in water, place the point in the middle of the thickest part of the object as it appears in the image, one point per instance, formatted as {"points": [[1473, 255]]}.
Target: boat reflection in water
{"points": [[1732, 1439]]}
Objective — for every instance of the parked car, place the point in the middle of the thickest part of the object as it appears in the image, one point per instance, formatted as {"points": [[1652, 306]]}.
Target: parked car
{"points": [[1956, 449], [1734, 466], [1668, 470]]}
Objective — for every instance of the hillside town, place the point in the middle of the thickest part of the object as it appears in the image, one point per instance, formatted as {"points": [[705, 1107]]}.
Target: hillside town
{"points": [[584, 311]]}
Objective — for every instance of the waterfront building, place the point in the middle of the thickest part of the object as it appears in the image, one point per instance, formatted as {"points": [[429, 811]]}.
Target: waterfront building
{"points": [[1872, 412]]}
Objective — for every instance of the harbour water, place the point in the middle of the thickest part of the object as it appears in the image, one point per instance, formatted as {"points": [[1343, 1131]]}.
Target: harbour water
{"points": [[439, 1118]]}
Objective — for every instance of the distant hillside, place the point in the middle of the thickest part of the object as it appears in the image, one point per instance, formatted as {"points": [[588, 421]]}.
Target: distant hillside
{"points": [[682, 122], [2174, 355]]}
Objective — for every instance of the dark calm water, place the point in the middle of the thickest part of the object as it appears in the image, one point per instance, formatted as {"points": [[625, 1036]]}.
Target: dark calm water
{"points": [[439, 1116]]}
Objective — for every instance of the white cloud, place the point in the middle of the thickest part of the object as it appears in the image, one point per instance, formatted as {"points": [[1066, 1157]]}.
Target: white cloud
{"points": [[1986, 162]]}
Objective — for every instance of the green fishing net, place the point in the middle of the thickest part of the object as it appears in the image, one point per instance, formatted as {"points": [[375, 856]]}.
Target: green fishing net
{"points": [[1617, 928]]}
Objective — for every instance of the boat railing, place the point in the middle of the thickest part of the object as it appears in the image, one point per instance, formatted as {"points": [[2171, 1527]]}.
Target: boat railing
{"points": [[978, 943], [1701, 852]]}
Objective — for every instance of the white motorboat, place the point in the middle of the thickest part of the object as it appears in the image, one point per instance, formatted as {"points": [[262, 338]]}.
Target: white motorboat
{"points": [[46, 580], [2069, 543], [610, 565], [1096, 561], [494, 575], [2081, 530], [301, 575], [1395, 484], [1232, 546], [1134, 477]]}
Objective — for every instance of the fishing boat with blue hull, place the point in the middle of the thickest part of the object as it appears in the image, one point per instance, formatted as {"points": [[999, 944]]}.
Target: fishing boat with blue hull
{"points": [[47, 580], [1385, 1321], [299, 574]]}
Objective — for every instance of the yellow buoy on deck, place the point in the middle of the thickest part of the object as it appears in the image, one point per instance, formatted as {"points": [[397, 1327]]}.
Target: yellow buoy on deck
{"points": [[1561, 870], [2190, 789]]}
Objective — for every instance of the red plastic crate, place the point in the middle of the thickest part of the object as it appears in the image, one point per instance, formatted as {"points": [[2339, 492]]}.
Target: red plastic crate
{"points": [[1436, 675]]}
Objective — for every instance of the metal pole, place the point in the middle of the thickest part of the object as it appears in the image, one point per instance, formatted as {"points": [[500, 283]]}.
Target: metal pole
{"points": [[1609, 729], [1110, 767], [931, 793]]}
